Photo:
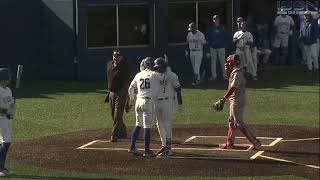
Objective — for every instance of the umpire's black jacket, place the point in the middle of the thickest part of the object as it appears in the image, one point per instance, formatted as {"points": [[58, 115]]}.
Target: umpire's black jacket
{"points": [[118, 76]]}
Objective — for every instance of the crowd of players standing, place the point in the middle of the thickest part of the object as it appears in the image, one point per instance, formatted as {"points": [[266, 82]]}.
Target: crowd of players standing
{"points": [[253, 44]]}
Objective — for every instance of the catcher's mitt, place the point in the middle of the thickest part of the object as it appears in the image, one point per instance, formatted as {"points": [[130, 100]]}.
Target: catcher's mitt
{"points": [[218, 106]]}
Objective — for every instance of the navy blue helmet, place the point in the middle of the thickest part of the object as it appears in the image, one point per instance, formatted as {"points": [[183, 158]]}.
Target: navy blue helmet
{"points": [[148, 63], [160, 64]]}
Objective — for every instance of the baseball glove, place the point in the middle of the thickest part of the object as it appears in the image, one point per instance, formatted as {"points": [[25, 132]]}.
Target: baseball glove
{"points": [[218, 106]]}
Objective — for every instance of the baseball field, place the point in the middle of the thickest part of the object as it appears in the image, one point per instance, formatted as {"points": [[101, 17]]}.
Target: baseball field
{"points": [[62, 131]]}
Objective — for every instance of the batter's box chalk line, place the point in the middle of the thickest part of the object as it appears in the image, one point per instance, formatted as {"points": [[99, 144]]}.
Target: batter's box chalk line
{"points": [[274, 142]]}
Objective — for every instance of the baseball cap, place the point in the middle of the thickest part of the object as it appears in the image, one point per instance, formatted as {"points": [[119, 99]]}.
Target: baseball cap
{"points": [[191, 25], [239, 19], [116, 53], [307, 12]]}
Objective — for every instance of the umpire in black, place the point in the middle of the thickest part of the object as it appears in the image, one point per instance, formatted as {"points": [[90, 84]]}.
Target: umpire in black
{"points": [[118, 80]]}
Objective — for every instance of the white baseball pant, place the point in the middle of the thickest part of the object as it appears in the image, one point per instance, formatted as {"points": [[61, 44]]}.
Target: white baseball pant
{"points": [[164, 109], [312, 55], [318, 42], [196, 58], [281, 39], [144, 111], [221, 55], [5, 130], [254, 52], [246, 60]]}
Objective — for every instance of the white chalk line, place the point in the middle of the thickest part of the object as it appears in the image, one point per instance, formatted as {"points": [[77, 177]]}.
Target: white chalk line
{"points": [[288, 161], [277, 140], [296, 140], [206, 158], [88, 144], [236, 137], [259, 153], [189, 139], [194, 149]]}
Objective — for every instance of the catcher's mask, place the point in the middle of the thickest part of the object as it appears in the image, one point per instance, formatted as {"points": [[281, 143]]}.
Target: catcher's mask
{"points": [[160, 64], [233, 60]]}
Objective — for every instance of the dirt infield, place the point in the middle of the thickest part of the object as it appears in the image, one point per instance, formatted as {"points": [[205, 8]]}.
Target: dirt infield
{"points": [[286, 150]]}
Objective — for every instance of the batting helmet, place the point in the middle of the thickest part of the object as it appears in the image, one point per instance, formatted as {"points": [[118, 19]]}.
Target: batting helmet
{"points": [[148, 63], [192, 27], [4, 74], [160, 64]]}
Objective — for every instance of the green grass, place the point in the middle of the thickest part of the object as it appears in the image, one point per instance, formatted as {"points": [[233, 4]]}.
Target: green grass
{"points": [[282, 96]]}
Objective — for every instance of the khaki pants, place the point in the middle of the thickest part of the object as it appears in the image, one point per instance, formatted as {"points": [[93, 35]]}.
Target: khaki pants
{"points": [[117, 104]]}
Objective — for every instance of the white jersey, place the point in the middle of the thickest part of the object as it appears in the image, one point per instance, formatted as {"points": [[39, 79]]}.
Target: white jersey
{"points": [[283, 24], [6, 99], [196, 41], [147, 83], [169, 82], [243, 37]]}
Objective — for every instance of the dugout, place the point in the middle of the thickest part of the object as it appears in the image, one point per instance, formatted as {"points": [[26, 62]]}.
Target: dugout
{"points": [[140, 28], [73, 39]]}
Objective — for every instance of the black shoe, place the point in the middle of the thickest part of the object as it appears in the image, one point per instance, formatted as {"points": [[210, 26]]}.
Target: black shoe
{"points": [[163, 149], [149, 154], [113, 139]]}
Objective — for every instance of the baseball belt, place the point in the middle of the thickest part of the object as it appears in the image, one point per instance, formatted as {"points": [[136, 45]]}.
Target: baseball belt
{"points": [[8, 116], [241, 48], [145, 97], [161, 99]]}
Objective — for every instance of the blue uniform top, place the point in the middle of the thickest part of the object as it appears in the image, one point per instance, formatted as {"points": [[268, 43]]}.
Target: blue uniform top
{"points": [[309, 32], [216, 37]]}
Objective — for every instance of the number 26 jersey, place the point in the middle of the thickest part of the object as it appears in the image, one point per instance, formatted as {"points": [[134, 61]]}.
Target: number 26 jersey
{"points": [[147, 84]]}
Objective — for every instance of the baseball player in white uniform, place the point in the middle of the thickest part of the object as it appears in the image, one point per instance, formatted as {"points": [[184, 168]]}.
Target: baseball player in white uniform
{"points": [[7, 109], [147, 84], [283, 25], [196, 41], [164, 105], [244, 40]]}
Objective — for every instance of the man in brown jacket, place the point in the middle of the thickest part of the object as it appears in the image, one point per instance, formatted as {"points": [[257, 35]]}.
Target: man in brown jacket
{"points": [[118, 80]]}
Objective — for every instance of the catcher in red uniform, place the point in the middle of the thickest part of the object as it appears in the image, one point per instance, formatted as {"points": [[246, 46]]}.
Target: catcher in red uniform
{"points": [[236, 95]]}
